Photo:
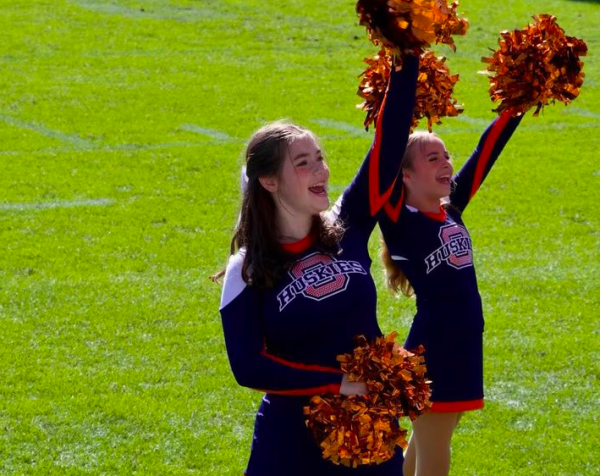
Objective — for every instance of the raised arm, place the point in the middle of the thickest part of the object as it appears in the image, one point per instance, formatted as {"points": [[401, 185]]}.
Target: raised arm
{"points": [[374, 182], [473, 173], [250, 362]]}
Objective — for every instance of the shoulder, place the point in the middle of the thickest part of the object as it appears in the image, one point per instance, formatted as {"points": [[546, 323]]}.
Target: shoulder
{"points": [[233, 284], [408, 214], [333, 214], [453, 211]]}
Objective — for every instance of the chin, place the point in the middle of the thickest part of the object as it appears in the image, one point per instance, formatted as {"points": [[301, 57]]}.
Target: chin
{"points": [[322, 204], [324, 208], [445, 192]]}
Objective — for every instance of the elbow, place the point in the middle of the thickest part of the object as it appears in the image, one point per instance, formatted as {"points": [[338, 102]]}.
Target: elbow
{"points": [[244, 380], [244, 374]]}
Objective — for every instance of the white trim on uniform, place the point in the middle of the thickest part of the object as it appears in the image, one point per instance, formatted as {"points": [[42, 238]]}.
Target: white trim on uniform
{"points": [[233, 284], [335, 211]]}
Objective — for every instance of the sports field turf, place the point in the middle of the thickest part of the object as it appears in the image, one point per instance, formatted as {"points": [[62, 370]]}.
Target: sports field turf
{"points": [[122, 125]]}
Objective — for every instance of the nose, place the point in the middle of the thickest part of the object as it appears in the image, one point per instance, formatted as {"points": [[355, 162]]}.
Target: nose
{"points": [[449, 163], [320, 168]]}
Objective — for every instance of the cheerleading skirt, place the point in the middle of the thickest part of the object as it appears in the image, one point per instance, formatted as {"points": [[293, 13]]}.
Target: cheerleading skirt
{"points": [[454, 360], [282, 445]]}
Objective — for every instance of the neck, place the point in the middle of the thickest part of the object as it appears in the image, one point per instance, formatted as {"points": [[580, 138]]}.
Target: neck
{"points": [[423, 203], [293, 228]]}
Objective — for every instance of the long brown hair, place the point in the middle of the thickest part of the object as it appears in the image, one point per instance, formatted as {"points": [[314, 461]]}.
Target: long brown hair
{"points": [[265, 259], [395, 278]]}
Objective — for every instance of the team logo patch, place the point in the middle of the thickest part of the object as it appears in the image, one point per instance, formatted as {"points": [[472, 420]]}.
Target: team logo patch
{"points": [[318, 276], [456, 249]]}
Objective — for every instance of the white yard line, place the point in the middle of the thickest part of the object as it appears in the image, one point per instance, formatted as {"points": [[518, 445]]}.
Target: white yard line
{"points": [[205, 131], [341, 126], [72, 139], [92, 202]]}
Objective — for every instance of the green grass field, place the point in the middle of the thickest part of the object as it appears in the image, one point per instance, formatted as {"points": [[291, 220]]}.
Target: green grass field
{"points": [[122, 125]]}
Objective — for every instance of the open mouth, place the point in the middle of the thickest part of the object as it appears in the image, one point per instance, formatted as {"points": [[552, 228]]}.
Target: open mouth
{"points": [[319, 189], [444, 179]]}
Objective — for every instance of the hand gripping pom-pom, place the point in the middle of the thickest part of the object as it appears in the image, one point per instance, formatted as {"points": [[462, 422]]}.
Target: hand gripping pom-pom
{"points": [[535, 66]]}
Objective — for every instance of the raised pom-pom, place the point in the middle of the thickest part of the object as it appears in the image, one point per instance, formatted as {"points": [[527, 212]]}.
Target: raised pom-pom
{"points": [[435, 91], [373, 85], [435, 88], [410, 25], [535, 66]]}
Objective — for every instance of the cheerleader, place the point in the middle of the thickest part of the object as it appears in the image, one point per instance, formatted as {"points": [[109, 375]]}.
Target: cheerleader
{"points": [[427, 251], [298, 288]]}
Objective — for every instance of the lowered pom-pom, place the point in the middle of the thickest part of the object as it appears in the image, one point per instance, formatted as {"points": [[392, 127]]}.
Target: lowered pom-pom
{"points": [[535, 66], [365, 429], [353, 431], [392, 374]]}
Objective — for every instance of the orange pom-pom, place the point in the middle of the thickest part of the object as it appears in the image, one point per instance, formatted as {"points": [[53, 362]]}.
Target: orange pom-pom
{"points": [[392, 374], [404, 25], [435, 88], [535, 66], [374, 84], [365, 429], [354, 430]]}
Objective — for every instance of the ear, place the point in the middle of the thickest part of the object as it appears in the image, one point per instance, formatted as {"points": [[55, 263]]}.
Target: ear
{"points": [[269, 183], [406, 176]]}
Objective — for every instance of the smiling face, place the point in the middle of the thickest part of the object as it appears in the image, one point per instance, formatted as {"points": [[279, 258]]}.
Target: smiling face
{"points": [[428, 176], [300, 189]]}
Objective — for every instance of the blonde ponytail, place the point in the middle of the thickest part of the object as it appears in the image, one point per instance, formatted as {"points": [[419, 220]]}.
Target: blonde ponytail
{"points": [[396, 280]]}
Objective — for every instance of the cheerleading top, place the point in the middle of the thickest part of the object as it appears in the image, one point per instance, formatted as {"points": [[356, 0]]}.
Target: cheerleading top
{"points": [[285, 340], [434, 249], [435, 253]]}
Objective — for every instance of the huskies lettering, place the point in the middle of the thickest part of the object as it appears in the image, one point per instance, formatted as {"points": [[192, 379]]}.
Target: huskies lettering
{"points": [[318, 277], [456, 249]]}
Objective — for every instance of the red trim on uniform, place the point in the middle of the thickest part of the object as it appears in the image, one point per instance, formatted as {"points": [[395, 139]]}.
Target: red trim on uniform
{"points": [[394, 211], [438, 216], [486, 153], [464, 406], [332, 388], [377, 200], [300, 245], [296, 365]]}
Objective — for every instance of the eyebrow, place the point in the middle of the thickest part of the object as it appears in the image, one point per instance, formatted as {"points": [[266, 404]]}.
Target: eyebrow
{"points": [[304, 155], [445, 154]]}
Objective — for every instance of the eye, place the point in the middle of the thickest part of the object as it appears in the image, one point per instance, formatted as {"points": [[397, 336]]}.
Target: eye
{"points": [[302, 163]]}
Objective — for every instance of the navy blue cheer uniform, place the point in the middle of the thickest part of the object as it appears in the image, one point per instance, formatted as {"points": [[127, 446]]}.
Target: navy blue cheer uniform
{"points": [[285, 340], [434, 251]]}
